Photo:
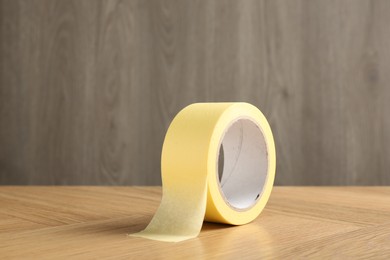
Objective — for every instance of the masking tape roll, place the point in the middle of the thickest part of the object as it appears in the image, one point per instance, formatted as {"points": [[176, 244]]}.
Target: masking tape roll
{"points": [[218, 164]]}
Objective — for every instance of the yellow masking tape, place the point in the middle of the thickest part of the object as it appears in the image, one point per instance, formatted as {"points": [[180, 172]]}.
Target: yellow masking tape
{"points": [[218, 164]]}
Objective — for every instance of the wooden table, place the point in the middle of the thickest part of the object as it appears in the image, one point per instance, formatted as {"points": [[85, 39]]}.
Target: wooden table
{"points": [[93, 222]]}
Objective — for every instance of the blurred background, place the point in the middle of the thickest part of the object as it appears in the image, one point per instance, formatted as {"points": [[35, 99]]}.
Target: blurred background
{"points": [[88, 88]]}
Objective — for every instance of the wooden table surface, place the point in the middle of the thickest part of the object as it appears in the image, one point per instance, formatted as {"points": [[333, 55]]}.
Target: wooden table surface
{"points": [[93, 222]]}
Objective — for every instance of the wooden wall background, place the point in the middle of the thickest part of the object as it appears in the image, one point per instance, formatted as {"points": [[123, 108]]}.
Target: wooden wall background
{"points": [[88, 88]]}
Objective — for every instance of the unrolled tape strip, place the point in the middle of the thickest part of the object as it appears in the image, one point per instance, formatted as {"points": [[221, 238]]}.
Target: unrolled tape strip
{"points": [[218, 164]]}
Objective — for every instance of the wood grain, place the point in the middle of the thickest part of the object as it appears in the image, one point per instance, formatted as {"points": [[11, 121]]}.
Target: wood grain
{"points": [[88, 88], [93, 222]]}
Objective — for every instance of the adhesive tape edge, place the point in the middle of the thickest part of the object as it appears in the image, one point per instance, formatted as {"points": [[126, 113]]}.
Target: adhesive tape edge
{"points": [[217, 210]]}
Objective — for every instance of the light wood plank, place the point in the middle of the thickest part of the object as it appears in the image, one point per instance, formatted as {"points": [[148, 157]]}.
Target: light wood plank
{"points": [[93, 222]]}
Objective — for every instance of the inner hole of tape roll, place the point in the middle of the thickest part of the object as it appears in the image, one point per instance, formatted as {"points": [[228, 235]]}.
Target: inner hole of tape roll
{"points": [[242, 164]]}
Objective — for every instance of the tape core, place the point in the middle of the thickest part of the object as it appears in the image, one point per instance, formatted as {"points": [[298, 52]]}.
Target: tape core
{"points": [[242, 164]]}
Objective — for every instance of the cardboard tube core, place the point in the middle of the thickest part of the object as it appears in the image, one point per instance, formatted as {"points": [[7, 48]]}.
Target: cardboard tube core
{"points": [[242, 164]]}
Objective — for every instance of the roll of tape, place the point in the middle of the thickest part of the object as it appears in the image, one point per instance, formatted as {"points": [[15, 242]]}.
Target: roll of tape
{"points": [[218, 164]]}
